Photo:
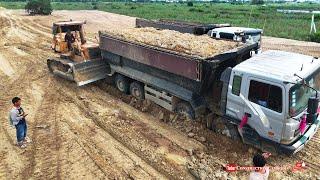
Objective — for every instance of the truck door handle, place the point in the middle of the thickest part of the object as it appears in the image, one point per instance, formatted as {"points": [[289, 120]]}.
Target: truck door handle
{"points": [[248, 114]]}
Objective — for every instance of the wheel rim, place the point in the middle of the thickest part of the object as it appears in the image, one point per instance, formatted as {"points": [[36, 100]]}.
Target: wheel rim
{"points": [[183, 112], [136, 92], [120, 85]]}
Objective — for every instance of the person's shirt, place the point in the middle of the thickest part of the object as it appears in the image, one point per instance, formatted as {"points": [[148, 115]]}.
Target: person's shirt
{"points": [[16, 115], [259, 176]]}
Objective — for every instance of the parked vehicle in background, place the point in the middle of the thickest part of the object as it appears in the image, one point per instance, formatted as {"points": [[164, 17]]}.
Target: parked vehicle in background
{"points": [[241, 34]]}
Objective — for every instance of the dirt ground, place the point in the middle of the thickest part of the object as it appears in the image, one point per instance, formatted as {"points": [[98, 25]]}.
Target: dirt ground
{"points": [[94, 132]]}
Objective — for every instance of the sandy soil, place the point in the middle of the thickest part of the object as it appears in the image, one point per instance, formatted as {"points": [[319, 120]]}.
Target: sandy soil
{"points": [[95, 132], [184, 43]]}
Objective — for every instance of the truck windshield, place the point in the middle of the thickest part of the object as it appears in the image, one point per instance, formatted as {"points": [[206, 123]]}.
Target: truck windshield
{"points": [[299, 94], [253, 38]]}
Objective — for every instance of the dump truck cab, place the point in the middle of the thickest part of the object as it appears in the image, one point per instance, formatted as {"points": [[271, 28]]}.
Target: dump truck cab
{"points": [[273, 90], [246, 35]]}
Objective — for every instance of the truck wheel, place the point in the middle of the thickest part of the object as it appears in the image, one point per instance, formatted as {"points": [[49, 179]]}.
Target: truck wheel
{"points": [[137, 90], [185, 109], [122, 83], [234, 133]]}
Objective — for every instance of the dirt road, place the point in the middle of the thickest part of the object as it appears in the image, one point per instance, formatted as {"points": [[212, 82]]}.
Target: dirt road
{"points": [[94, 132]]}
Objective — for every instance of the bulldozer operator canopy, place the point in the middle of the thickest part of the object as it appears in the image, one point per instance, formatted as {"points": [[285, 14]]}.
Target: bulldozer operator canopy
{"points": [[64, 26]]}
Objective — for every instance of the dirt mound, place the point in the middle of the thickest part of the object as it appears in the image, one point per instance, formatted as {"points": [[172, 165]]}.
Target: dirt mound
{"points": [[200, 46]]}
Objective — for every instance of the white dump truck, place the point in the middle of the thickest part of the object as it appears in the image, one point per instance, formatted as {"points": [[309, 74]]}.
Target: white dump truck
{"points": [[275, 89], [272, 90]]}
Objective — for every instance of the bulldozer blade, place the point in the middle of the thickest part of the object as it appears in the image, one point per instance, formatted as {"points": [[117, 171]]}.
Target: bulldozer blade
{"points": [[80, 72], [89, 71]]}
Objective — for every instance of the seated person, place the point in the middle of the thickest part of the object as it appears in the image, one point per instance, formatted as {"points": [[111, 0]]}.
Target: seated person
{"points": [[69, 38]]}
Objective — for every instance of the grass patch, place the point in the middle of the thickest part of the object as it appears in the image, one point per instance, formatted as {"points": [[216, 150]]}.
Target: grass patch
{"points": [[293, 26]]}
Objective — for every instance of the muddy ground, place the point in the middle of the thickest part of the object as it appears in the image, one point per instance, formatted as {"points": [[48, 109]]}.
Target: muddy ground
{"points": [[95, 132]]}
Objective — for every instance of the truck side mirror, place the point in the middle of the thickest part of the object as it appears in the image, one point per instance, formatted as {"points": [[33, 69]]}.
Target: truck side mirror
{"points": [[243, 39], [312, 110]]}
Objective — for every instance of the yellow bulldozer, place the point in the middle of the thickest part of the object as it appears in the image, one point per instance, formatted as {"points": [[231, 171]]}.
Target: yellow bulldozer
{"points": [[82, 62]]}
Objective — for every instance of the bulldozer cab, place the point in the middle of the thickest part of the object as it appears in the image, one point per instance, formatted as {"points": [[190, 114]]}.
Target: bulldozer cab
{"points": [[59, 29], [63, 27]]}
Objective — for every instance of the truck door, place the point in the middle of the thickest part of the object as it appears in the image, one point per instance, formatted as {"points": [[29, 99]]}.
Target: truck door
{"points": [[264, 103], [235, 103]]}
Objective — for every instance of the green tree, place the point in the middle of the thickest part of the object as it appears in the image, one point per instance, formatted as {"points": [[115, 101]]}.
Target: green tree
{"points": [[189, 3], [42, 7], [258, 2]]}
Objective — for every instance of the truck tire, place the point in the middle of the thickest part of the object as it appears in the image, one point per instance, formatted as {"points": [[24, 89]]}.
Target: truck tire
{"points": [[183, 108], [122, 83], [137, 90], [234, 133]]}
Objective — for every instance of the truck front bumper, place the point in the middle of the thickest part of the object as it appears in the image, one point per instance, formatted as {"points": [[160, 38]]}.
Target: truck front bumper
{"points": [[302, 141]]}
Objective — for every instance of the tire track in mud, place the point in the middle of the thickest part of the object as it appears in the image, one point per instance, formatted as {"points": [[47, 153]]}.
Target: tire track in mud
{"points": [[49, 167], [111, 152], [50, 152], [4, 167], [45, 141], [132, 141]]}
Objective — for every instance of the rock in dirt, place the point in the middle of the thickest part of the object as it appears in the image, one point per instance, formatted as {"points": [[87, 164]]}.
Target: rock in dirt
{"points": [[200, 155], [81, 97], [188, 129], [146, 103], [42, 126], [218, 174], [202, 139], [194, 173], [251, 150], [161, 115], [203, 174], [191, 135], [193, 159], [144, 109]]}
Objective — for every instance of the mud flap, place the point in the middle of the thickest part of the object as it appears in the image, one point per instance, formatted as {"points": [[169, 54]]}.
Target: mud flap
{"points": [[89, 71]]}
